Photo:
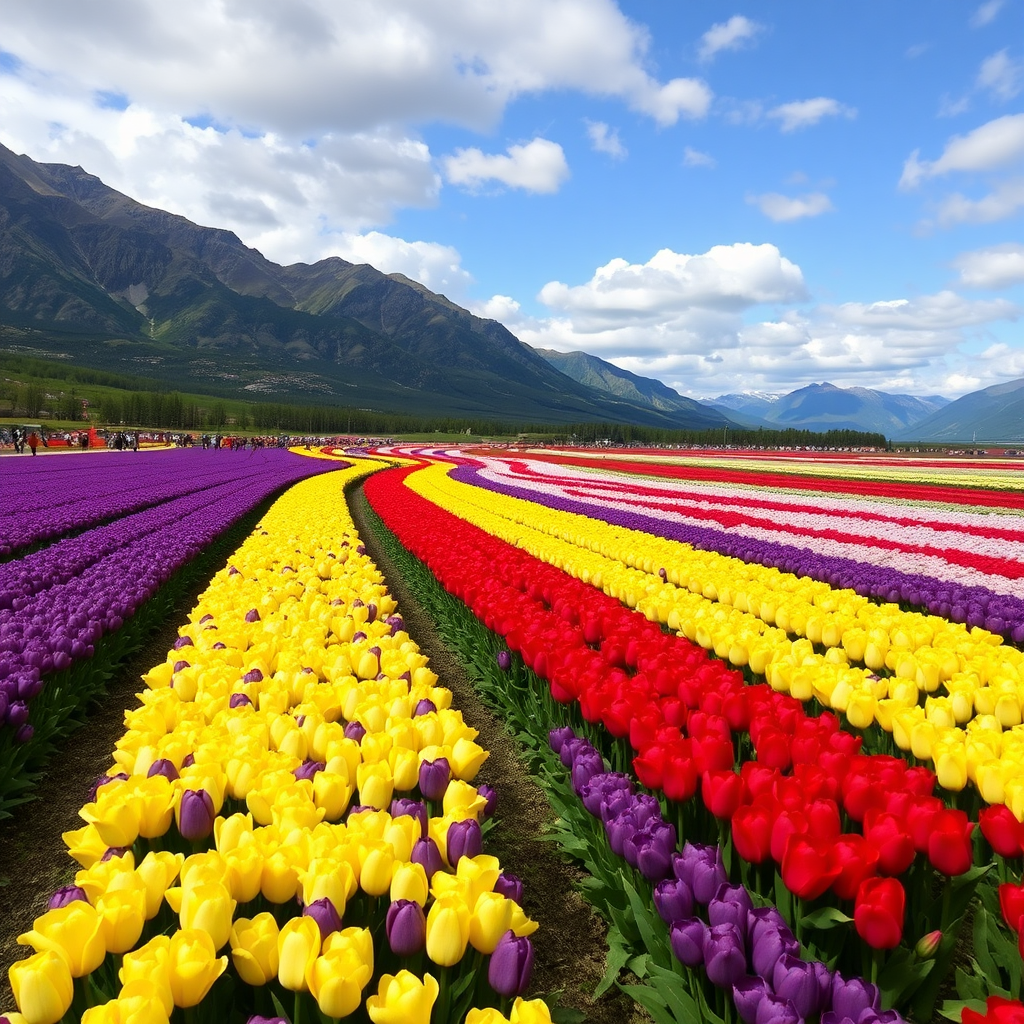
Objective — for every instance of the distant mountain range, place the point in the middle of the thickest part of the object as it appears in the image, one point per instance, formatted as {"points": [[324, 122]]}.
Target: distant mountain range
{"points": [[90, 276]]}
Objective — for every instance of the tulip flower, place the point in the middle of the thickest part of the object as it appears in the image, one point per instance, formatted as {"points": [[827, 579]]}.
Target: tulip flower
{"points": [[298, 946], [403, 999], [193, 966], [195, 814], [511, 965], [1004, 832], [206, 906], [448, 924], [74, 931], [687, 940], [463, 840], [878, 912], [433, 779], [337, 979], [42, 986], [254, 948], [529, 1011], [326, 916], [725, 958], [65, 895], [406, 927]]}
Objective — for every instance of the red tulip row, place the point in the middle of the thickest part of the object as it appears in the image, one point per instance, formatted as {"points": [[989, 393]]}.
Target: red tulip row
{"points": [[684, 712]]}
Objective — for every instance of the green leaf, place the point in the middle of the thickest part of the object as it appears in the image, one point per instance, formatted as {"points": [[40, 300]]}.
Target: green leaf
{"points": [[652, 1002], [618, 955], [669, 986], [954, 1010], [825, 918]]}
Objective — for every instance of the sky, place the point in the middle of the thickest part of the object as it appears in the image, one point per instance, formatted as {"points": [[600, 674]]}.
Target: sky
{"points": [[727, 197]]}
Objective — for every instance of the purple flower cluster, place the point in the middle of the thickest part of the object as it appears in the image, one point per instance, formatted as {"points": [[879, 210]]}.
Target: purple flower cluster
{"points": [[976, 606], [56, 603], [746, 950]]}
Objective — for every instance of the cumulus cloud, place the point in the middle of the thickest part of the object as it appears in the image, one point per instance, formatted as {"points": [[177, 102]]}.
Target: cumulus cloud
{"points": [[804, 113], [999, 266], [695, 158], [437, 267], [734, 34], [778, 207], [727, 278], [537, 166], [989, 146], [1001, 203], [605, 140]]}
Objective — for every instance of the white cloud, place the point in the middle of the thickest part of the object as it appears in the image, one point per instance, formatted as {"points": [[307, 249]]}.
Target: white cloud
{"points": [[695, 158], [999, 266], [734, 34], [942, 311], [681, 97], [1001, 203], [538, 166], [986, 13], [437, 267], [991, 145], [502, 308], [804, 113], [605, 139], [674, 287], [1001, 75], [778, 207]]}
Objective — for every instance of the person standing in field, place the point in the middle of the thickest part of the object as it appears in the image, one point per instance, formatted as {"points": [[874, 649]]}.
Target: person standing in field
{"points": [[33, 441]]}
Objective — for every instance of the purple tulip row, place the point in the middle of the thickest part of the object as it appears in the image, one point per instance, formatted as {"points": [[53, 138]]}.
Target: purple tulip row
{"points": [[48, 498], [974, 605], [47, 630], [747, 951]]}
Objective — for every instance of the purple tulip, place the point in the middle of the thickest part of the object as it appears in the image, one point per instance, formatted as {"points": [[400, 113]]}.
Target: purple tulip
{"points": [[687, 940], [413, 808], [464, 839], [252, 615], [504, 660], [179, 665], [114, 851], [161, 766], [807, 985], [396, 623], [725, 958], [511, 966], [426, 853], [17, 714], [424, 707], [673, 899], [406, 927], [730, 905], [254, 675], [557, 738], [434, 777], [308, 769], [326, 916], [65, 895], [239, 700], [103, 780], [768, 942], [775, 1010], [183, 641], [747, 995], [24, 733], [195, 820], [702, 868], [257, 1019], [490, 796], [851, 998], [510, 886]]}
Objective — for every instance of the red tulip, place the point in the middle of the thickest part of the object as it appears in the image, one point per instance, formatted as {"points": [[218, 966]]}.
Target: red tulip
{"points": [[808, 867], [857, 860], [1011, 903], [878, 912], [722, 792], [892, 840], [1004, 832], [752, 832], [949, 845]]}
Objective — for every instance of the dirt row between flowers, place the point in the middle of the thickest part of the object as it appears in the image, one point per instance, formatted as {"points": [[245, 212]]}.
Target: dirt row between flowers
{"points": [[570, 943]]}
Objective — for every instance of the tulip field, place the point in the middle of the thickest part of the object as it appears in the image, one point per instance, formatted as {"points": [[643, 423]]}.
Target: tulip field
{"points": [[774, 700]]}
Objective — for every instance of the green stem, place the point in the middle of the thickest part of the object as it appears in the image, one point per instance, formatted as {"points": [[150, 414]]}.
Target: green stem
{"points": [[297, 1009]]}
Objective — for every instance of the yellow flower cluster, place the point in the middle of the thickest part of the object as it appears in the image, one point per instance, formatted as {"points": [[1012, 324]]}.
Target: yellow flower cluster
{"points": [[873, 663], [288, 643]]}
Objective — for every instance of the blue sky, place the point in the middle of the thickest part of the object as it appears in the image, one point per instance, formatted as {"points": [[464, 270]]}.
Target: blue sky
{"points": [[724, 197]]}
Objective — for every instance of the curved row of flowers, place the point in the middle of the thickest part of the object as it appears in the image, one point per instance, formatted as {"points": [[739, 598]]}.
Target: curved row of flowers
{"points": [[289, 818], [967, 731], [686, 715], [952, 562]]}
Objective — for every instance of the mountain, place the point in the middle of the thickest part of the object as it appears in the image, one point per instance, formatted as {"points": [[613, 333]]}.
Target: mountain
{"points": [[822, 407], [603, 376], [91, 276], [994, 414]]}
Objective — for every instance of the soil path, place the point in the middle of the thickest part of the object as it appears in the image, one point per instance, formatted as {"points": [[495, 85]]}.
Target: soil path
{"points": [[570, 945]]}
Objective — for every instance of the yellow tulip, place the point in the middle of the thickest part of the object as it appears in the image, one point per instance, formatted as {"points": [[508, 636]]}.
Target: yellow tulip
{"points": [[403, 999], [860, 710], [123, 912], [231, 832], [340, 974], [75, 932], [491, 918], [950, 760], [467, 757], [205, 906], [378, 866], [140, 1002], [405, 767], [409, 882], [447, 930], [42, 986], [486, 1016], [157, 871], [254, 948], [193, 966], [461, 800], [116, 819], [529, 1011], [376, 784], [298, 946], [150, 964]]}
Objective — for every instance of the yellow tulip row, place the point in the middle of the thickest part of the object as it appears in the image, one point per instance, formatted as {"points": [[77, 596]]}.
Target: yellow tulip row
{"points": [[777, 623], [287, 641]]}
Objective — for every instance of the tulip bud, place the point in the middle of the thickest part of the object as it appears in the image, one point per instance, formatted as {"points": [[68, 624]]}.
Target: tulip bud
{"points": [[42, 987], [406, 927], [426, 853], [928, 945], [434, 776], [326, 916], [65, 895], [195, 814], [464, 839], [504, 660], [511, 965]]}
